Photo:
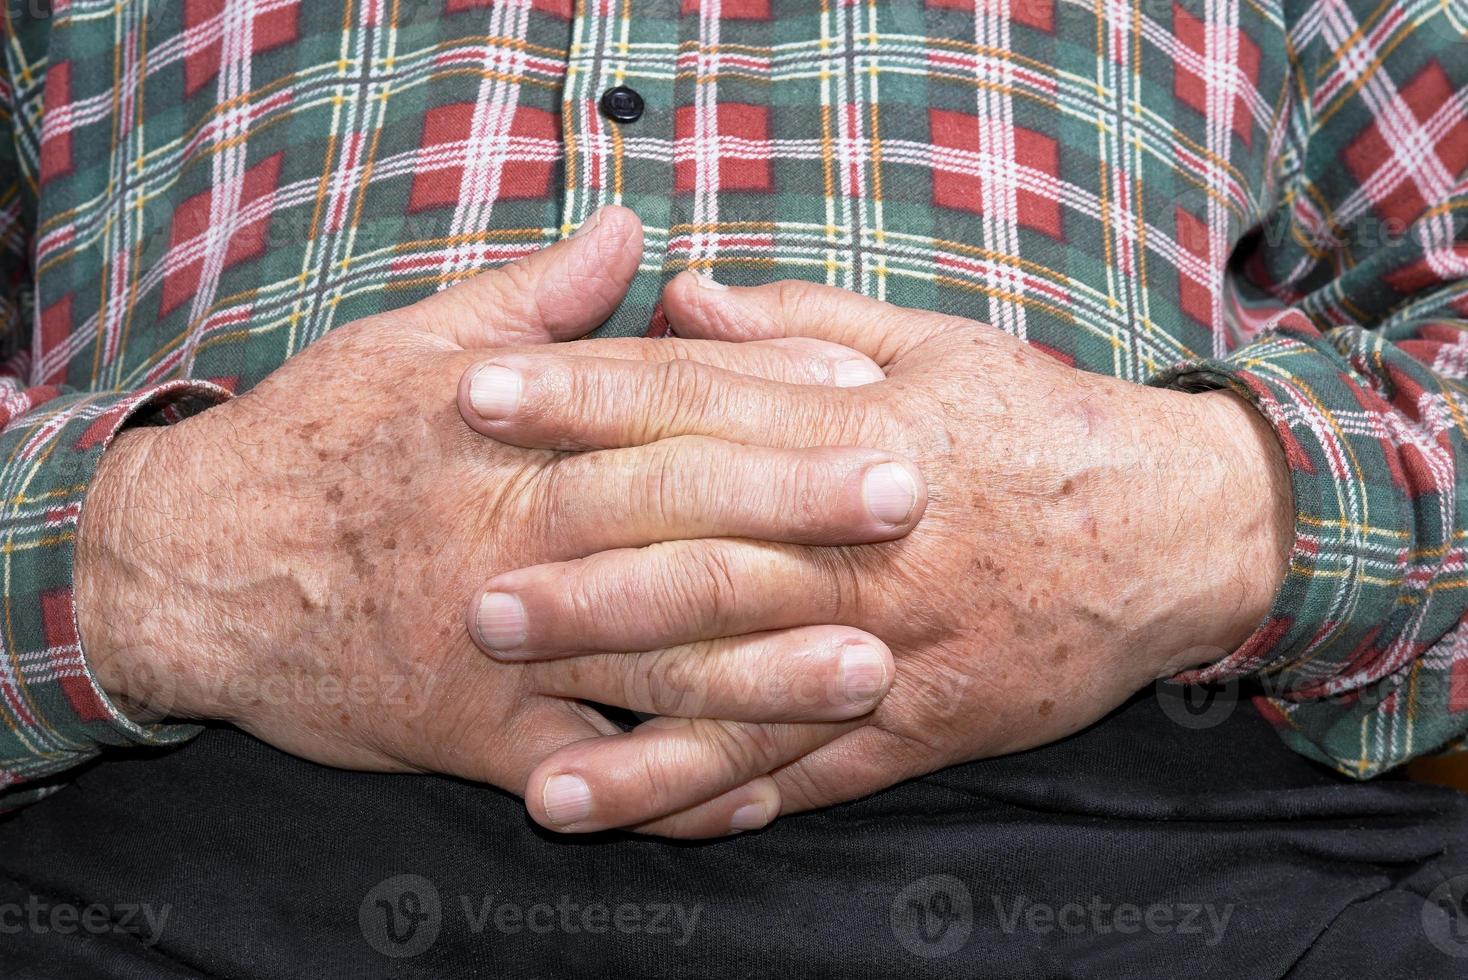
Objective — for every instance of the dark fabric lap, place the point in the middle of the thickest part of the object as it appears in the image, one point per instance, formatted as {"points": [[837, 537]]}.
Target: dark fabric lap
{"points": [[1139, 848]]}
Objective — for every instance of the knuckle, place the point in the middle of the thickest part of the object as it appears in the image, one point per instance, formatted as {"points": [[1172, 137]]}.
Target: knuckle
{"points": [[792, 300], [913, 750], [837, 583], [524, 497], [840, 421], [803, 788], [654, 492], [802, 302], [564, 393], [594, 280], [807, 508], [514, 294], [890, 431], [873, 415], [639, 689], [675, 683], [702, 589], [911, 423], [584, 597], [792, 683], [794, 296], [583, 406], [664, 488], [686, 386], [658, 780], [742, 748], [668, 349]]}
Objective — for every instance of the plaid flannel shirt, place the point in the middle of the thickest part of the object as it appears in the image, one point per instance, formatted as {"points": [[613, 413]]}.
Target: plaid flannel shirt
{"points": [[1268, 196]]}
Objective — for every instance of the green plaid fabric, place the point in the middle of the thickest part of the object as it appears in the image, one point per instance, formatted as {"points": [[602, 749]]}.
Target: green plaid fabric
{"points": [[1267, 196]]}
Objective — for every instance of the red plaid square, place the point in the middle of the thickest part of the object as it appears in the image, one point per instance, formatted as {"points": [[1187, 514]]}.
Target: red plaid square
{"points": [[742, 147], [56, 123], [55, 328], [1458, 682], [1189, 76], [534, 146], [192, 221], [1038, 14], [734, 9], [275, 24], [1194, 297], [1396, 158], [60, 632], [957, 179]]}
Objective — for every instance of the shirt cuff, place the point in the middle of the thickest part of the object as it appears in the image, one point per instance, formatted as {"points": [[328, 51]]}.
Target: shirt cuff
{"points": [[55, 716], [1331, 625]]}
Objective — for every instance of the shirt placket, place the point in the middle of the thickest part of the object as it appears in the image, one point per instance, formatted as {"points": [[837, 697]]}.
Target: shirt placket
{"points": [[631, 44]]}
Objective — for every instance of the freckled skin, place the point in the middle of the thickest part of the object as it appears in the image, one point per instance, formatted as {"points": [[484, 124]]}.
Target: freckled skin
{"points": [[1007, 632], [328, 586], [1084, 536], [299, 561], [331, 550], [1033, 469]]}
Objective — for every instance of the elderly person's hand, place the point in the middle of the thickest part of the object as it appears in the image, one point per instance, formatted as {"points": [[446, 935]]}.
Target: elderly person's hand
{"points": [[295, 561], [1083, 537]]}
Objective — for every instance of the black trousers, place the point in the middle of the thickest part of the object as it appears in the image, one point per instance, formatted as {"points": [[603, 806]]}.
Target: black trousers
{"points": [[1139, 848]]}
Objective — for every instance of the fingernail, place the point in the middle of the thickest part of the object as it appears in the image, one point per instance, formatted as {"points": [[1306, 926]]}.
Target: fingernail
{"points": [[751, 816], [707, 281], [857, 372], [500, 621], [890, 493], [863, 672], [567, 799], [494, 391], [589, 225]]}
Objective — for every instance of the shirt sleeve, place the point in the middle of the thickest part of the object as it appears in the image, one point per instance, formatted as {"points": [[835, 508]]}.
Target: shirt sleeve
{"points": [[1350, 302], [53, 715]]}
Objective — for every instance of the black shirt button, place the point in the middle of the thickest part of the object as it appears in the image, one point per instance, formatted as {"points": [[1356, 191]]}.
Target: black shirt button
{"points": [[622, 104]]}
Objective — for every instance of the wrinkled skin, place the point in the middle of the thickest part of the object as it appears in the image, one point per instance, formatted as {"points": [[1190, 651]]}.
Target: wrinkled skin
{"points": [[1083, 537], [296, 561]]}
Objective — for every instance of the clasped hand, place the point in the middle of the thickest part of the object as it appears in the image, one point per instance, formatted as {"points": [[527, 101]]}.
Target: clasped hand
{"points": [[830, 544]]}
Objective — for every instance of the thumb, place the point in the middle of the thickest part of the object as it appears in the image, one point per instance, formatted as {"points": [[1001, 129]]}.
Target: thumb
{"points": [[558, 293], [699, 308]]}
